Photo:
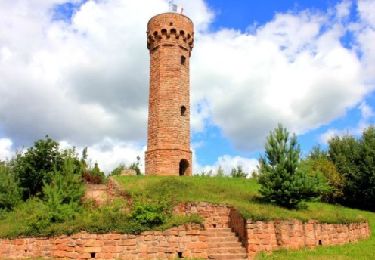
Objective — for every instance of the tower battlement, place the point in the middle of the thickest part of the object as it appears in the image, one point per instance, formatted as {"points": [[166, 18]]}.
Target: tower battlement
{"points": [[170, 39], [170, 28]]}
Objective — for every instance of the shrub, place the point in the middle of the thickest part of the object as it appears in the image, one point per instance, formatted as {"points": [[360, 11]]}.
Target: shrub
{"points": [[150, 214], [34, 167], [64, 193], [94, 176], [10, 193], [280, 179], [326, 170]]}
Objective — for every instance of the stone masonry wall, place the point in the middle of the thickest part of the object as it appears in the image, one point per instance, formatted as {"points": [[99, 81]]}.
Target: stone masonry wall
{"points": [[188, 241], [294, 234]]}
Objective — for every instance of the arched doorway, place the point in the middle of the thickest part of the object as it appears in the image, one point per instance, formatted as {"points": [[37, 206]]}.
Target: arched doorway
{"points": [[184, 165]]}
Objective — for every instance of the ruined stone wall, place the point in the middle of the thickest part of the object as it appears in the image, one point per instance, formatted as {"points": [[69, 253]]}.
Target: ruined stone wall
{"points": [[190, 240]]}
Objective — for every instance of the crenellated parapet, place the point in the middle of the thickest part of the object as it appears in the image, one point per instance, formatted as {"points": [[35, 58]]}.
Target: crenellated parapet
{"points": [[170, 29]]}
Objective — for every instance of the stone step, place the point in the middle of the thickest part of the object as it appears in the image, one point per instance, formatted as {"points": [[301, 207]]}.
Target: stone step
{"points": [[224, 244], [227, 250], [227, 257], [215, 239], [220, 233]]}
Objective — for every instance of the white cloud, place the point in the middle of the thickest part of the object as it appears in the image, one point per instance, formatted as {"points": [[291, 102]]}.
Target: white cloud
{"points": [[5, 149], [228, 162], [290, 71], [111, 153], [86, 82]]}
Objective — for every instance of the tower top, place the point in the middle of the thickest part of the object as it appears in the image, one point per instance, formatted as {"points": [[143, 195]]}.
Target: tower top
{"points": [[168, 26]]}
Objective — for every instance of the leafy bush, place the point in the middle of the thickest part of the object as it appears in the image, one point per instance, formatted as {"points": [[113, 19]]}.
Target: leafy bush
{"points": [[150, 214], [325, 168], [34, 167], [280, 179], [10, 193]]}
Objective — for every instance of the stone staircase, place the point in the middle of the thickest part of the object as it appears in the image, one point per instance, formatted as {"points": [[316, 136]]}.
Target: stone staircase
{"points": [[224, 244]]}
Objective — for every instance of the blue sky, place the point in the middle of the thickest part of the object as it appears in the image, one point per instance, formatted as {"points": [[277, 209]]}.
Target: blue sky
{"points": [[242, 14], [78, 71]]}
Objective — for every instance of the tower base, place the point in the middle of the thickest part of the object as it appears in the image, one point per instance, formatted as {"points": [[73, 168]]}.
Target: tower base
{"points": [[168, 162]]}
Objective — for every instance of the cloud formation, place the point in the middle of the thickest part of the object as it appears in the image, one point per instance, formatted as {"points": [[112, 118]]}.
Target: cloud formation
{"points": [[85, 80]]}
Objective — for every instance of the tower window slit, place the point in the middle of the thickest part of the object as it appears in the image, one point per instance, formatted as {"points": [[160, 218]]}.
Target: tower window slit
{"points": [[183, 110], [183, 59]]}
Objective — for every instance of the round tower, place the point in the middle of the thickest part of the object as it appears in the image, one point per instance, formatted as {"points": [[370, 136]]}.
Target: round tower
{"points": [[170, 39]]}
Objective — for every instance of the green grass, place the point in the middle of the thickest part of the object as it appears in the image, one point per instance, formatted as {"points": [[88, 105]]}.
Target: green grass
{"points": [[31, 218], [237, 192]]}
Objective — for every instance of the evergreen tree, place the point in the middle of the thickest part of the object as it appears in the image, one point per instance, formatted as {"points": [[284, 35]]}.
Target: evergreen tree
{"points": [[280, 179]]}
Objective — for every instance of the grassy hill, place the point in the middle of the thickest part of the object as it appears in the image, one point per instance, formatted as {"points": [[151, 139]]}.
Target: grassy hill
{"points": [[169, 191], [238, 192], [243, 195]]}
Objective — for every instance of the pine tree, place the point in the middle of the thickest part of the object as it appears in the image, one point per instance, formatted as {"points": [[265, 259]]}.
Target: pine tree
{"points": [[281, 180]]}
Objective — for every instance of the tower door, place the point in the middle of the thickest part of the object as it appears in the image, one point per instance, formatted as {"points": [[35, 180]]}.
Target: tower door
{"points": [[184, 165]]}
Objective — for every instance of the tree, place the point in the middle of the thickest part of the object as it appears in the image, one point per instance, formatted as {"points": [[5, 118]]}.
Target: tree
{"points": [[36, 165], [355, 161], [318, 153], [238, 172], [323, 167], [281, 181], [10, 193], [63, 194]]}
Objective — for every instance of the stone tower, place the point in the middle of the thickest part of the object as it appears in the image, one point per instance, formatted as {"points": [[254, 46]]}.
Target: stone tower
{"points": [[170, 39]]}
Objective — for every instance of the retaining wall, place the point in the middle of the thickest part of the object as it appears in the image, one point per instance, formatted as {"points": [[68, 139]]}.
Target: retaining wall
{"points": [[187, 241]]}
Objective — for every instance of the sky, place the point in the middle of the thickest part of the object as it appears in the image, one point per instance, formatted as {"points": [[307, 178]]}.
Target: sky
{"points": [[79, 72]]}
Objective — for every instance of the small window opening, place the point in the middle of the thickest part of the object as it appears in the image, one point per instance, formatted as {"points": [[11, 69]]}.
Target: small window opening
{"points": [[320, 242], [183, 110], [179, 255], [214, 225], [92, 254], [183, 59], [170, 24]]}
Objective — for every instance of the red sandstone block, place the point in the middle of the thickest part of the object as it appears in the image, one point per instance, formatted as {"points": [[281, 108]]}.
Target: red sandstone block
{"points": [[91, 249], [110, 243], [127, 242], [93, 243]]}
